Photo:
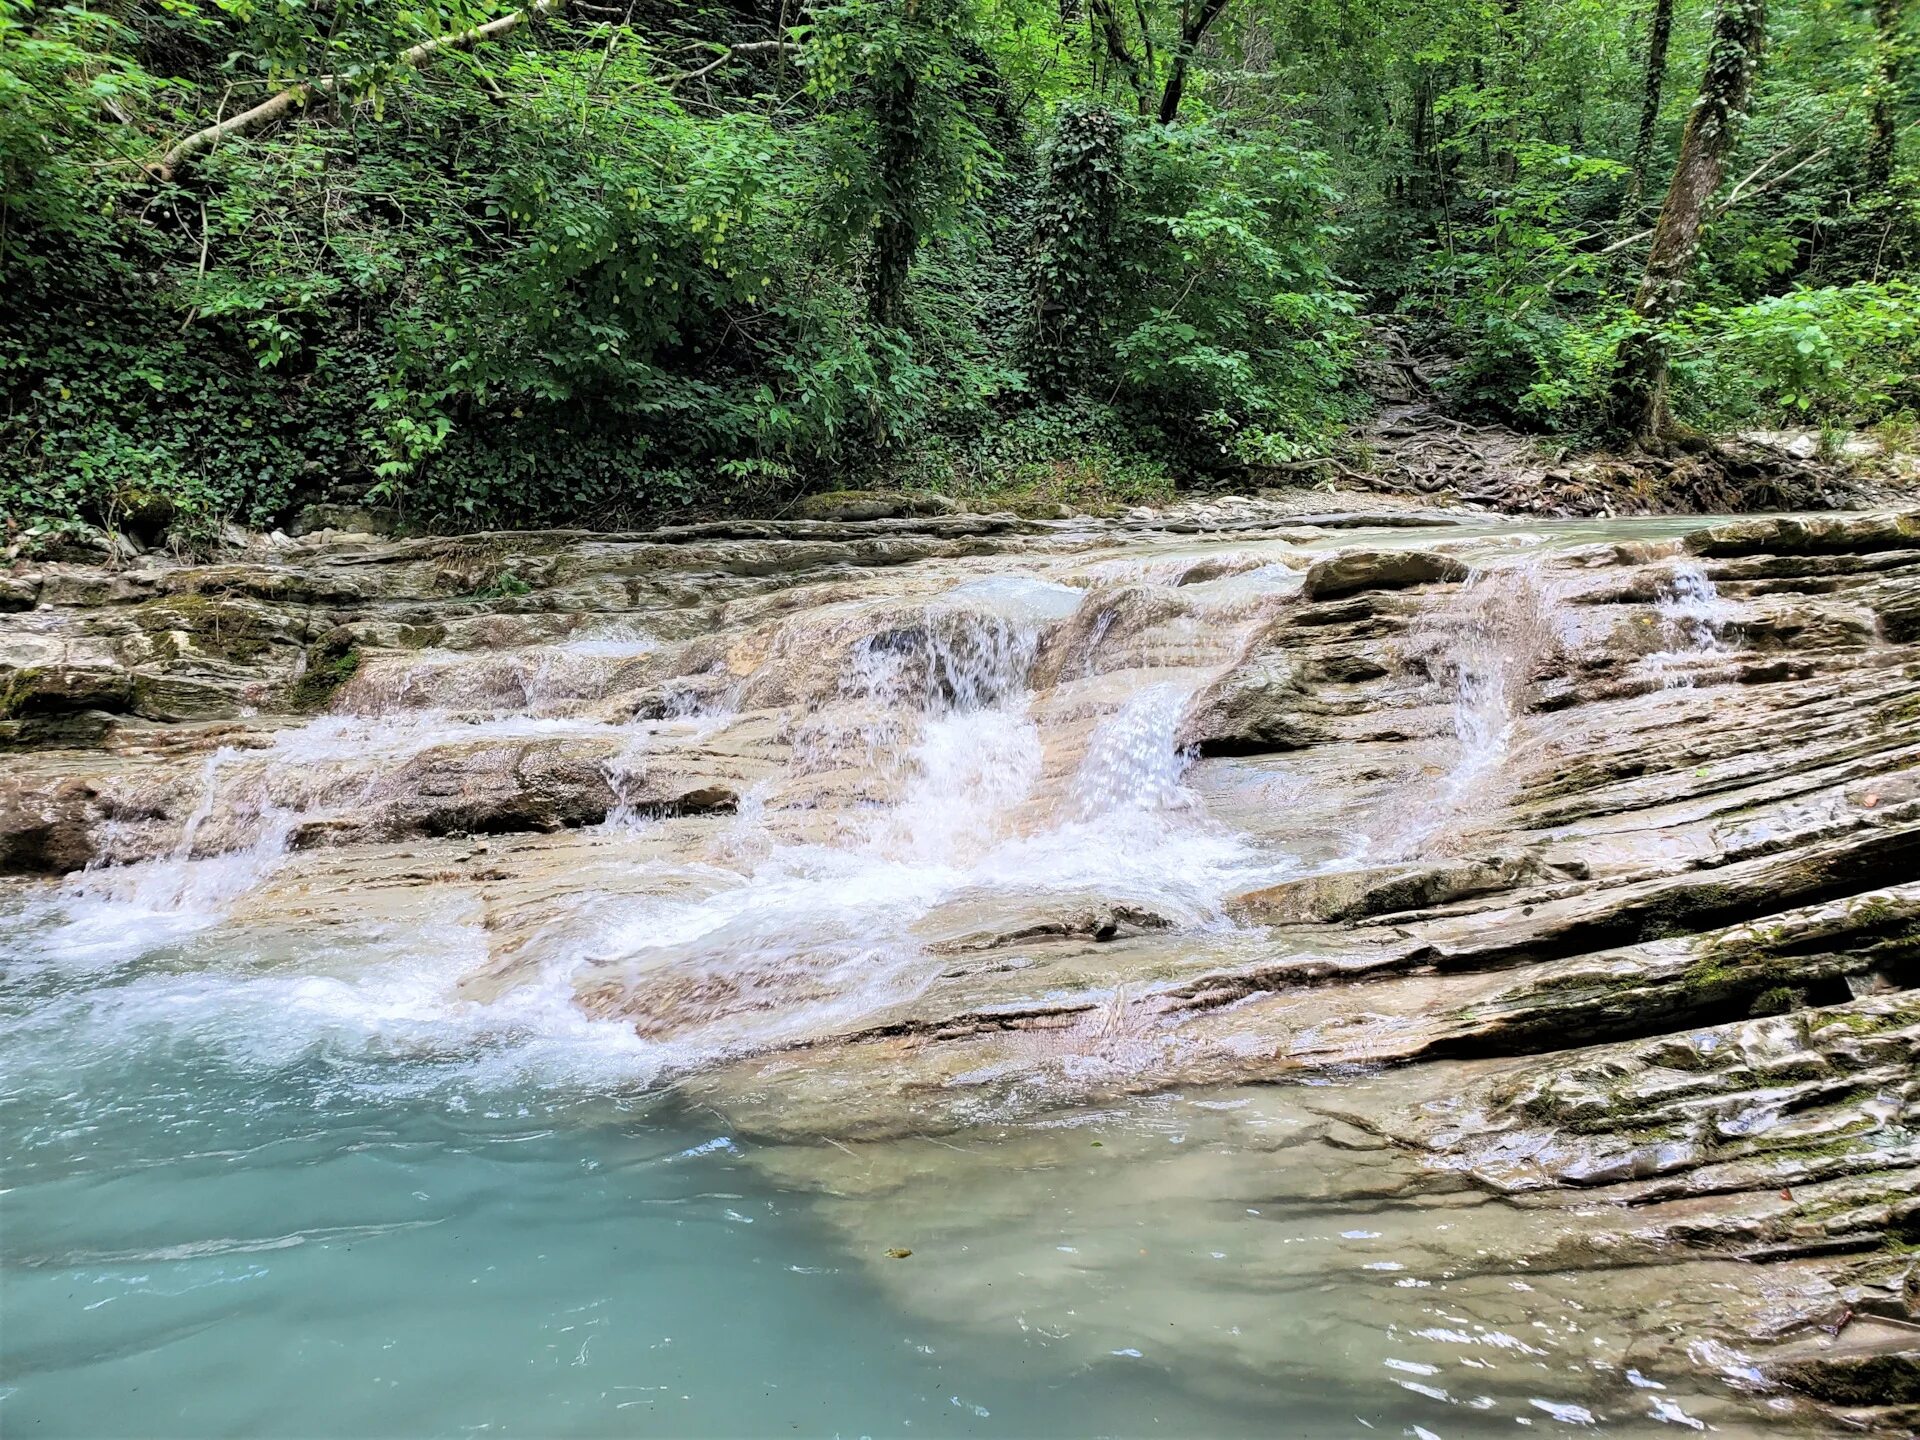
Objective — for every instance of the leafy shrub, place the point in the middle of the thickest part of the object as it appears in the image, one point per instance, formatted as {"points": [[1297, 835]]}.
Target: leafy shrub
{"points": [[1841, 354], [1076, 452], [1183, 272]]}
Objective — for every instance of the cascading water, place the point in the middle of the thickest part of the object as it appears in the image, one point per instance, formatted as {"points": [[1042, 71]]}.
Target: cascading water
{"points": [[1695, 624], [1135, 760], [1485, 647]]}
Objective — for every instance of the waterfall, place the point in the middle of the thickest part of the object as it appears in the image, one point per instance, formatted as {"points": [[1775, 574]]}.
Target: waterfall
{"points": [[1695, 623], [1483, 649]]}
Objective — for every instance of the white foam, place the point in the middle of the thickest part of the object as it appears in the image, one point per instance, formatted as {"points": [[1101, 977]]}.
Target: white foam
{"points": [[1695, 624]]}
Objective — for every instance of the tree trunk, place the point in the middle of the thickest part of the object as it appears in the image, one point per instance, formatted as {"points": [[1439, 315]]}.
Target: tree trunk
{"points": [[1659, 32], [1637, 403], [1889, 84], [1118, 51], [1191, 34], [1420, 183], [896, 238]]}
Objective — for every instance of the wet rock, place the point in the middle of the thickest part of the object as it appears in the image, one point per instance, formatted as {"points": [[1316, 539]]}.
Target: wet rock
{"points": [[1264, 706], [172, 697], [1096, 922], [18, 592], [1899, 615], [1809, 535], [1868, 1364], [79, 730], [874, 505], [1817, 955], [1350, 894], [1357, 570], [47, 829], [517, 786], [330, 663], [1605, 901], [1804, 628], [1110, 627], [1799, 1088]]}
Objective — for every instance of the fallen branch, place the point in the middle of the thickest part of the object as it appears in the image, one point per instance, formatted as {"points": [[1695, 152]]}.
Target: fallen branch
{"points": [[750, 47], [294, 96]]}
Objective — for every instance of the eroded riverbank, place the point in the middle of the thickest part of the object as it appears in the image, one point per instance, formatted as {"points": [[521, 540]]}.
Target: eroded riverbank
{"points": [[1454, 967]]}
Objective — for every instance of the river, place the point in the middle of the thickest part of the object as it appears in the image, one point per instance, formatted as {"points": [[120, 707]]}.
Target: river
{"points": [[324, 1120]]}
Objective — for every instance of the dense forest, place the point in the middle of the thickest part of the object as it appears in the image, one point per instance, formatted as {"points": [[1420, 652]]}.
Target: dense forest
{"points": [[598, 259]]}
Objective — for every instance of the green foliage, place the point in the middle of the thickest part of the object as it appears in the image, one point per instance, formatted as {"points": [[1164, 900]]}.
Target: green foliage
{"points": [[907, 154], [1076, 254], [1837, 355], [598, 269], [1231, 330], [64, 72], [1078, 453], [1184, 271]]}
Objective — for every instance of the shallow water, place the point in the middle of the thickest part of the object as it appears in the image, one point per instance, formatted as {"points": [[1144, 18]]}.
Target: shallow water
{"points": [[346, 1243], [278, 1164], [210, 1252]]}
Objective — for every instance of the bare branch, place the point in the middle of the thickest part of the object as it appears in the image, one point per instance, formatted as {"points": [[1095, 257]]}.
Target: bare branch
{"points": [[749, 47], [295, 96]]}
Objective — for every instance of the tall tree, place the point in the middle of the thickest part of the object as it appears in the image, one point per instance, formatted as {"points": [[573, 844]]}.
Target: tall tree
{"points": [[1637, 402], [1194, 24], [1659, 32], [1119, 53]]}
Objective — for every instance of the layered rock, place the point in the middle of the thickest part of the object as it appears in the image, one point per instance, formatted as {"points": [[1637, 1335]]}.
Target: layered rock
{"points": [[1600, 859]]}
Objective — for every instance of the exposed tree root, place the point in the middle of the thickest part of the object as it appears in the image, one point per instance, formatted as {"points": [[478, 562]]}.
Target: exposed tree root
{"points": [[1411, 447]]}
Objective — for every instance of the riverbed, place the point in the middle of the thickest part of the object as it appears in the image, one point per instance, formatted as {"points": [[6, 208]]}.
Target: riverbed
{"points": [[893, 981]]}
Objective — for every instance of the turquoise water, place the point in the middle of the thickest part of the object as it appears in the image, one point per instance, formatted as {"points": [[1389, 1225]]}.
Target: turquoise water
{"points": [[248, 1199], [327, 1240], [352, 1241]]}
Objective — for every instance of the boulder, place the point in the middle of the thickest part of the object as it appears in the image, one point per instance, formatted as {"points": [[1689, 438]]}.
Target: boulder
{"points": [[874, 505], [47, 829], [1356, 570], [1252, 711]]}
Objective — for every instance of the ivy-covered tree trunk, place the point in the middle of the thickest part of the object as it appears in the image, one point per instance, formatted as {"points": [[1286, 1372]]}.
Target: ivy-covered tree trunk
{"points": [[1890, 82], [1659, 33], [897, 236], [1074, 248], [1637, 402]]}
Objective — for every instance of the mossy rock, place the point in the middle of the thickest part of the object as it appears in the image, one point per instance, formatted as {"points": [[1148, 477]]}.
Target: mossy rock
{"points": [[331, 663], [220, 626]]}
